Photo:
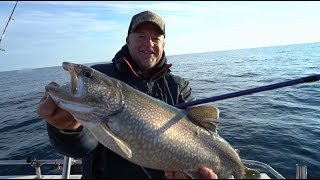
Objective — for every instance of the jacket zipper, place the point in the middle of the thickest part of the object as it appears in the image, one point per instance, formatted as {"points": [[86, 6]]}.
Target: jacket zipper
{"points": [[149, 86]]}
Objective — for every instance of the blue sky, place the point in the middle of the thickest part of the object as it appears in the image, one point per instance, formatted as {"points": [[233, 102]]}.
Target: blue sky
{"points": [[45, 34]]}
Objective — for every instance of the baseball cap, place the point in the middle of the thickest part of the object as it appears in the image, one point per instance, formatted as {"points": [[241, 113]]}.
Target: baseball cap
{"points": [[146, 16]]}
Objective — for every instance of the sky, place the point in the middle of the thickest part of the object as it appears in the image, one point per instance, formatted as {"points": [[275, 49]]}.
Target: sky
{"points": [[47, 33]]}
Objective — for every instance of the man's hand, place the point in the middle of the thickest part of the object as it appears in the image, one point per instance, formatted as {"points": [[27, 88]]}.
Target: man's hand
{"points": [[54, 115], [204, 173]]}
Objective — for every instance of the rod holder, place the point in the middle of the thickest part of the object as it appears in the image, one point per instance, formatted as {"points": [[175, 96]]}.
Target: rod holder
{"points": [[38, 172], [66, 167], [301, 171]]}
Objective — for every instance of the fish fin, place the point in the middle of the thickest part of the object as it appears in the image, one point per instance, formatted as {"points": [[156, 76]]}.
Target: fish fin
{"points": [[204, 116], [119, 143], [251, 173]]}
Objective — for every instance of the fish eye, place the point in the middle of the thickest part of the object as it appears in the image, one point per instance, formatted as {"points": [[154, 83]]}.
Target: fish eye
{"points": [[87, 74]]}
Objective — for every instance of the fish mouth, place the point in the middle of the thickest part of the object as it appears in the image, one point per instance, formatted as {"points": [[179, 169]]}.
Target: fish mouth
{"points": [[67, 90], [70, 95], [74, 78]]}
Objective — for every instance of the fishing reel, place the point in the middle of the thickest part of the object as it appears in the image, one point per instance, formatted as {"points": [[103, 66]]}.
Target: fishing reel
{"points": [[33, 162]]}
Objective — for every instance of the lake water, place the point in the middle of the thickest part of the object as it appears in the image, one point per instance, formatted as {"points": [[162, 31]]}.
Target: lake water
{"points": [[279, 127]]}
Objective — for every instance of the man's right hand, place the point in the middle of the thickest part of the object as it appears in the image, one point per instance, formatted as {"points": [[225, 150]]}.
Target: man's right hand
{"points": [[54, 115]]}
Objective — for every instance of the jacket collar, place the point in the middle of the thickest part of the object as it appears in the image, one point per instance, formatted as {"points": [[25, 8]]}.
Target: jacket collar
{"points": [[124, 63]]}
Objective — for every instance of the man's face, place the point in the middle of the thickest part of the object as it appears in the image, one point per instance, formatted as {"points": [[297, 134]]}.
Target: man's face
{"points": [[146, 45]]}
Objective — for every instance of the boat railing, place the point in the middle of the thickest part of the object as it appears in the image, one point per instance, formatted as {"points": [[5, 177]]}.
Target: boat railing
{"points": [[301, 170], [264, 166], [67, 162]]}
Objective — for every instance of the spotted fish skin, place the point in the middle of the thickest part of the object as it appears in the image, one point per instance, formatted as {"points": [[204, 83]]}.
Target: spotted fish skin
{"points": [[142, 129]]}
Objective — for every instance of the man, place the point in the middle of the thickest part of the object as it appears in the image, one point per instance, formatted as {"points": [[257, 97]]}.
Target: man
{"points": [[142, 64]]}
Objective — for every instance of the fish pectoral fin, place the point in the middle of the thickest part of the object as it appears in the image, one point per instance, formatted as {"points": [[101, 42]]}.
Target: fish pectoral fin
{"points": [[119, 143]]}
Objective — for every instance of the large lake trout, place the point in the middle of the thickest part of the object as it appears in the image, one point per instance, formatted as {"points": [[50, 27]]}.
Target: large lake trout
{"points": [[145, 130]]}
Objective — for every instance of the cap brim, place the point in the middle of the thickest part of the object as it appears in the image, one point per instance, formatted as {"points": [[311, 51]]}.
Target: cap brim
{"points": [[144, 22]]}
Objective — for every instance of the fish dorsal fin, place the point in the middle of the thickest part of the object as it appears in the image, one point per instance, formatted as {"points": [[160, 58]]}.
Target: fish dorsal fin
{"points": [[204, 115], [119, 143]]}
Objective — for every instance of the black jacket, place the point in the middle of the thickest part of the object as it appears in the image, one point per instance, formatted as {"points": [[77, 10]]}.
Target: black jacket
{"points": [[97, 160]]}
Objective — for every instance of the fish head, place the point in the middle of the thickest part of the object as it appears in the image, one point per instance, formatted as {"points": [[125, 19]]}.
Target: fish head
{"points": [[89, 93]]}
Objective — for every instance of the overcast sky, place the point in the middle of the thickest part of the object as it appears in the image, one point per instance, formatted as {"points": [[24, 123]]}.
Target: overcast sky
{"points": [[44, 34]]}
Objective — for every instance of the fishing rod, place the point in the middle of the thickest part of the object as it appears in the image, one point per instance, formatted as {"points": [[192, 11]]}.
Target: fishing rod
{"points": [[5, 28], [250, 91]]}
